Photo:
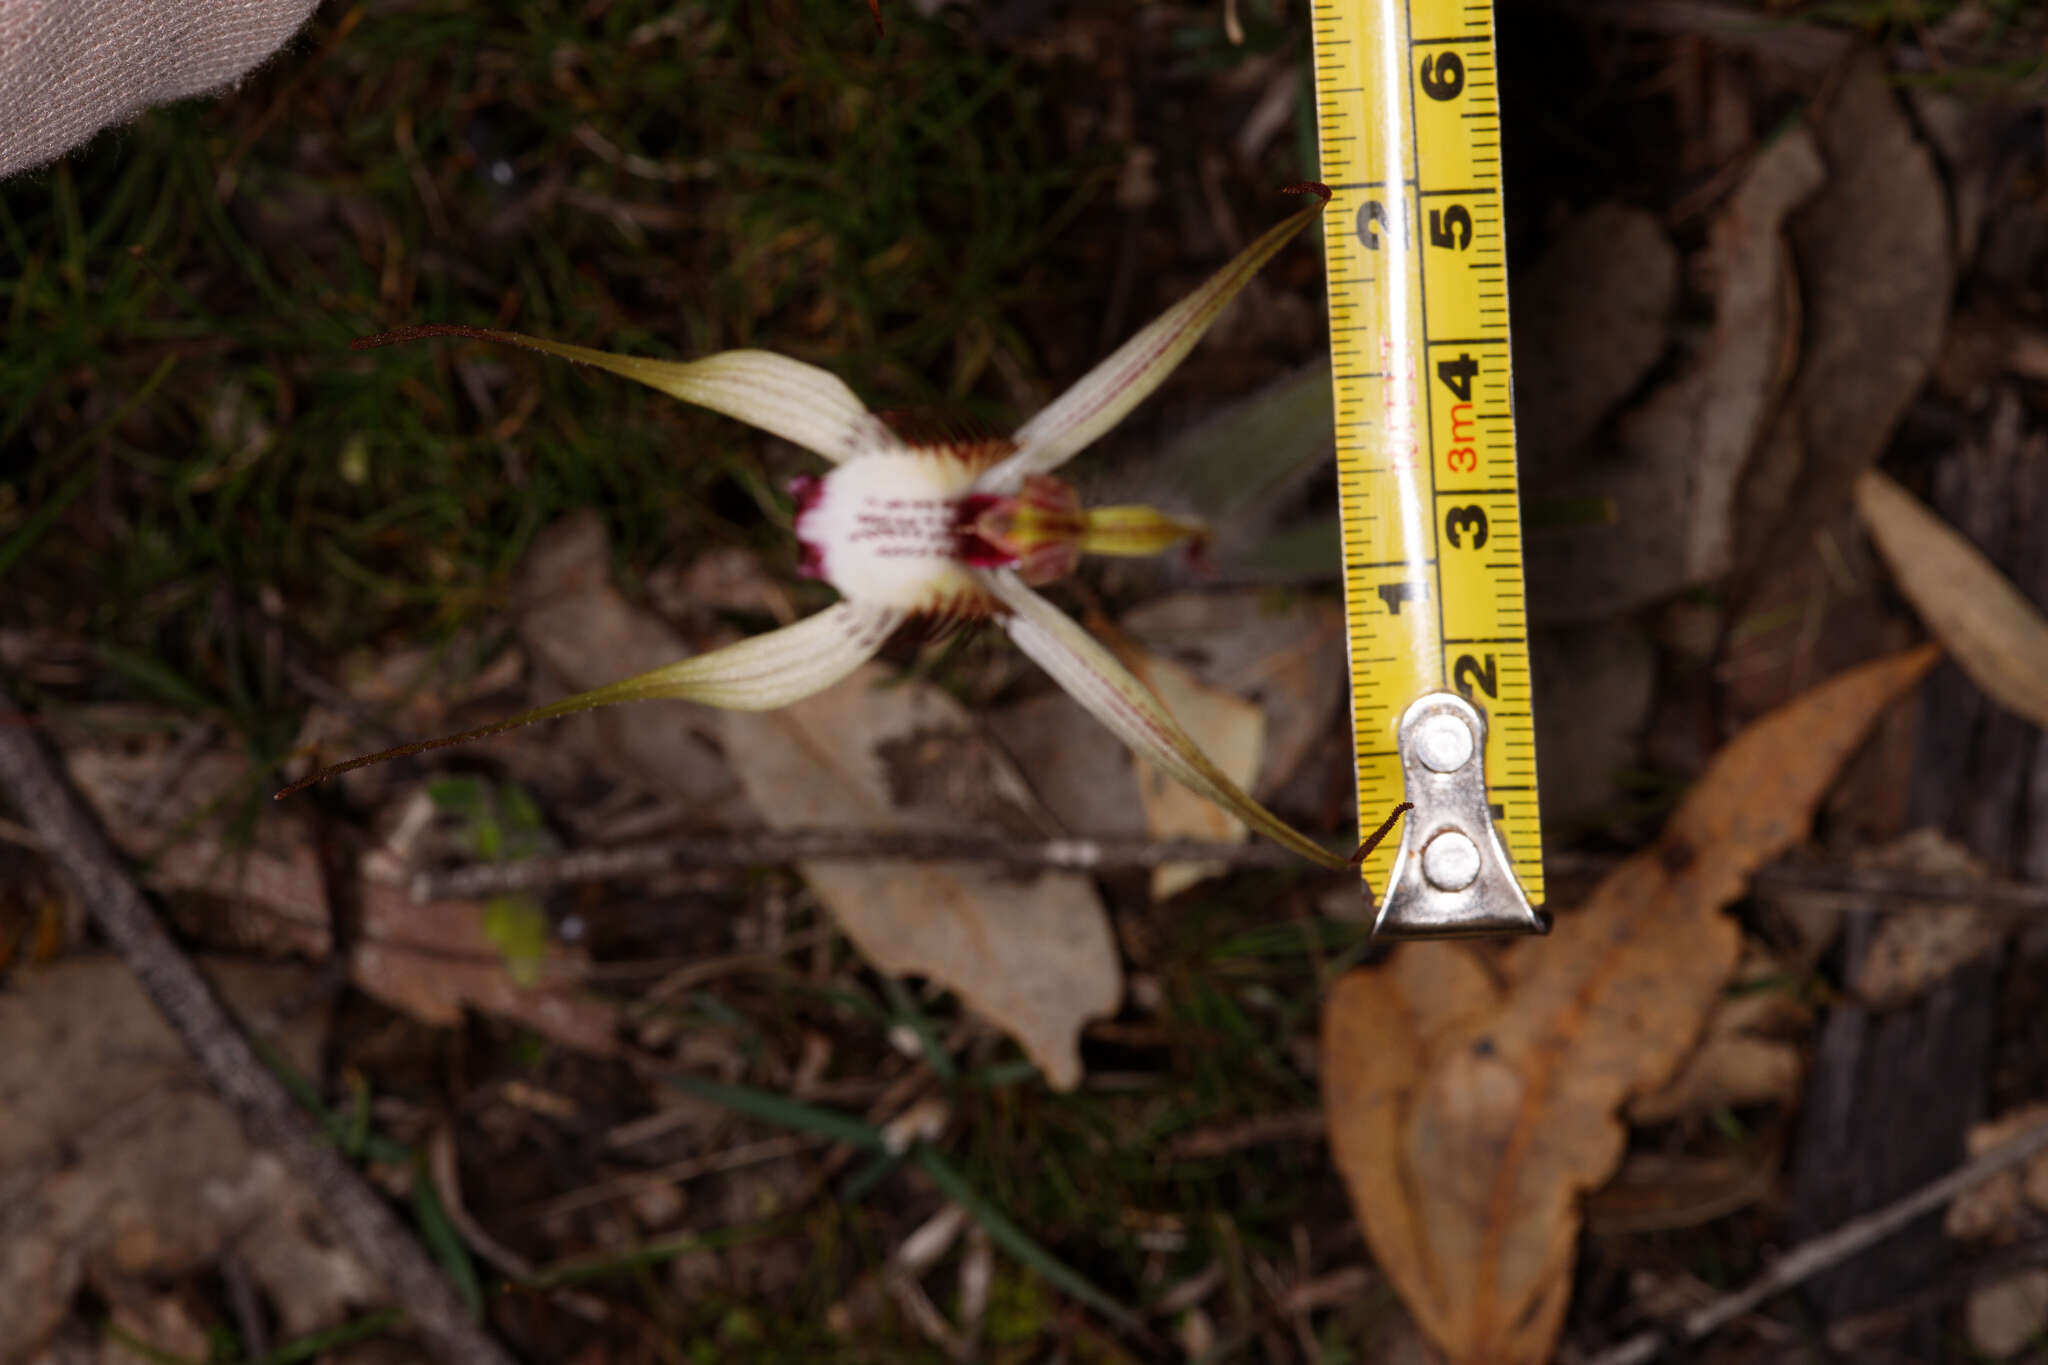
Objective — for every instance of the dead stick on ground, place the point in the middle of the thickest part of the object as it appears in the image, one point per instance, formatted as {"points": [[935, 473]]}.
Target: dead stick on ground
{"points": [[746, 848], [1829, 1249], [72, 838], [1886, 887]]}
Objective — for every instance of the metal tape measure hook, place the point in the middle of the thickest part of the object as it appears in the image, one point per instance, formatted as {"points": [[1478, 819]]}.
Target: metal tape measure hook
{"points": [[1452, 877]]}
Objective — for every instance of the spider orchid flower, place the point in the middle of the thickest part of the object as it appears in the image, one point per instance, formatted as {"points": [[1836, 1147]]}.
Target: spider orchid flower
{"points": [[954, 530]]}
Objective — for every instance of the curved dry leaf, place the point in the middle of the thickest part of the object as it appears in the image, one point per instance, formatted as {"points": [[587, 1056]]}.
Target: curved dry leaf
{"points": [[1995, 634], [1876, 266], [1751, 1053], [1680, 453], [1034, 955], [1472, 1102]]}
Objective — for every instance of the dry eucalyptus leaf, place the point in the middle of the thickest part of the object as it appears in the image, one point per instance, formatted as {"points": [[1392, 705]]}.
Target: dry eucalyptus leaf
{"points": [[1710, 418], [274, 899], [1995, 635], [1089, 787], [1750, 1054], [1673, 476], [1592, 316], [119, 1169], [1472, 1102], [1655, 1192], [1033, 954], [1875, 271]]}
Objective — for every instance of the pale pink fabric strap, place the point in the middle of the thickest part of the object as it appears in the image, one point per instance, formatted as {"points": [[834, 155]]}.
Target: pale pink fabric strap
{"points": [[69, 68]]}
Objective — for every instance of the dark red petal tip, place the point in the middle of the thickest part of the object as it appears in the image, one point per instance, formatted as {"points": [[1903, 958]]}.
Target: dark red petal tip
{"points": [[1314, 187], [431, 329]]}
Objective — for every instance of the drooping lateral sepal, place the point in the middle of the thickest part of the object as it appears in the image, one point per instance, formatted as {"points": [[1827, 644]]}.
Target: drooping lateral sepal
{"points": [[760, 673], [1091, 675]]}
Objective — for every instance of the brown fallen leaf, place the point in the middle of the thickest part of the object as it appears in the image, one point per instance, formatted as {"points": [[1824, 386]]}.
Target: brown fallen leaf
{"points": [[1473, 1100], [1032, 954], [1285, 654], [1087, 786], [1919, 945], [1995, 635], [1713, 415], [119, 1170], [1593, 315], [1750, 1053], [431, 960], [1876, 265], [1653, 1192], [434, 959], [2006, 1316], [1991, 1211], [1672, 476]]}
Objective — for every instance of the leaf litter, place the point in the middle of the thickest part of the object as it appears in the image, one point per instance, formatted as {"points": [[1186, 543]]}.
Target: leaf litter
{"points": [[433, 960], [1993, 632], [1474, 1098], [1033, 955], [121, 1173]]}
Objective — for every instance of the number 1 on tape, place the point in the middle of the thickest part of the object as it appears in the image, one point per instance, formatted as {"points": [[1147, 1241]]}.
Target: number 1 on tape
{"points": [[1417, 267]]}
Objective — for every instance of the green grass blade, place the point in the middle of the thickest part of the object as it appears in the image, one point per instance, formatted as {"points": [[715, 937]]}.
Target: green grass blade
{"points": [[784, 1112], [1018, 1243]]}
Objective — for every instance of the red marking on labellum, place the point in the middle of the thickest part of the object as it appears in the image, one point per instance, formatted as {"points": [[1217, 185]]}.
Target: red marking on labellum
{"points": [[807, 489], [955, 613], [434, 329], [947, 436], [975, 550]]}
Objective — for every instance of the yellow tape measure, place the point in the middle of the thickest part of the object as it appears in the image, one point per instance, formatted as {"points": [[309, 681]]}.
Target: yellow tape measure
{"points": [[1417, 266]]}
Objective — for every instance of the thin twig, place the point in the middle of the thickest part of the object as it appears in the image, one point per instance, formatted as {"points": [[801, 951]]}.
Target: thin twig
{"points": [[1828, 1250], [1889, 887], [1884, 884], [752, 848], [31, 780], [749, 848]]}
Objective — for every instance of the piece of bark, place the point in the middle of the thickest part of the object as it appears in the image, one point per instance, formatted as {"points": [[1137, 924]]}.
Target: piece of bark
{"points": [[1894, 1091], [1891, 1096]]}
